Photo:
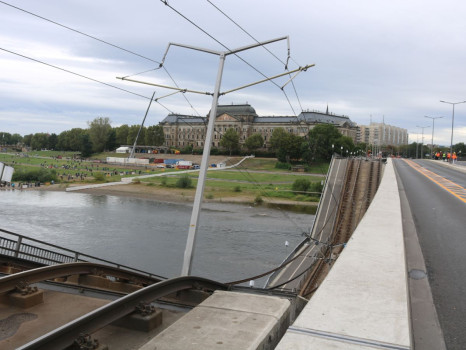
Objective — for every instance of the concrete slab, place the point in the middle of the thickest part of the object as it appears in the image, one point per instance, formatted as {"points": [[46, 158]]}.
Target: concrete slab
{"points": [[227, 320], [365, 294]]}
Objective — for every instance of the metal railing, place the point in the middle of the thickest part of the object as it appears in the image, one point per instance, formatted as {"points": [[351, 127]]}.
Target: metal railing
{"points": [[33, 250]]}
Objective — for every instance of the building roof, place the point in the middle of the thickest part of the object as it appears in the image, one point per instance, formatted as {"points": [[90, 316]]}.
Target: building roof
{"points": [[236, 110], [181, 118], [247, 110], [317, 117]]}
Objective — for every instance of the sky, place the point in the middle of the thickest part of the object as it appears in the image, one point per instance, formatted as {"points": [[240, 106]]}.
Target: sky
{"points": [[380, 61]]}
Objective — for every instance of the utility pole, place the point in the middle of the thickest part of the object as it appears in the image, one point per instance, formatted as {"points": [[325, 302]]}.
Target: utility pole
{"points": [[193, 226], [422, 142], [452, 122]]}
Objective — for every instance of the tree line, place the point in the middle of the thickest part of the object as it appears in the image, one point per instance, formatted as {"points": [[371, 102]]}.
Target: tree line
{"points": [[319, 144], [100, 136]]}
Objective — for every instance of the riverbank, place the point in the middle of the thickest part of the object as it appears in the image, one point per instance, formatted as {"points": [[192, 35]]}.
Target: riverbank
{"points": [[177, 195]]}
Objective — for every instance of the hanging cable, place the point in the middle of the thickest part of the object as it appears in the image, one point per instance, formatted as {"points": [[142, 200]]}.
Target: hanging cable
{"points": [[104, 42], [270, 52]]}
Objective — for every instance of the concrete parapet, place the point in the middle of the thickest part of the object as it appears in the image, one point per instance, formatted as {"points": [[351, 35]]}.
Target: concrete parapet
{"points": [[363, 302], [227, 320]]}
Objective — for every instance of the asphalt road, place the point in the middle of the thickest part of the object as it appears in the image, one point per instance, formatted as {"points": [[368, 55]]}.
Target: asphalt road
{"points": [[439, 214]]}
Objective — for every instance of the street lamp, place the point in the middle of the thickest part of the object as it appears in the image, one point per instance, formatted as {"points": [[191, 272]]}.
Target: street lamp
{"points": [[452, 122], [422, 142], [342, 151], [433, 126]]}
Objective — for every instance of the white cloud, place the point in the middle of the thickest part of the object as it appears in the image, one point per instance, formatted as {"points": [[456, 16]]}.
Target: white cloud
{"points": [[392, 59]]}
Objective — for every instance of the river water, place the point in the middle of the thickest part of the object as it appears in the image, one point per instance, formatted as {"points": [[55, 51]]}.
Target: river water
{"points": [[233, 241]]}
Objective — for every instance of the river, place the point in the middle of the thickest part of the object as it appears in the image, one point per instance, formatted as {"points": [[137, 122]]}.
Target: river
{"points": [[233, 242]]}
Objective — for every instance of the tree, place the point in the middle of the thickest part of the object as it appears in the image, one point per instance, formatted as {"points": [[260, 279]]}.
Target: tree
{"points": [[287, 146], [15, 139], [99, 130], [27, 139], [122, 134], [278, 138], [321, 139], [5, 138], [230, 140], [39, 141], [71, 140], [154, 136], [254, 142], [52, 142], [86, 146], [111, 140], [133, 132]]}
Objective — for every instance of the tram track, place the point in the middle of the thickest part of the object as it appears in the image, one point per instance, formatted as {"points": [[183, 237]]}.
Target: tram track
{"points": [[362, 179]]}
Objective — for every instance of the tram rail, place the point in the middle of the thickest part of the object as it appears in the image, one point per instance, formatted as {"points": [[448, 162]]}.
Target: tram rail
{"points": [[64, 336]]}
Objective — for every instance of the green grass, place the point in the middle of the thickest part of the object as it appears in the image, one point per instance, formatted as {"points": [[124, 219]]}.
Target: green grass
{"points": [[264, 180]]}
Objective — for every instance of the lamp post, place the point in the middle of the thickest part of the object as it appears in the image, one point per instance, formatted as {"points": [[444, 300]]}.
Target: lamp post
{"points": [[452, 122], [422, 141], [433, 126], [342, 151]]}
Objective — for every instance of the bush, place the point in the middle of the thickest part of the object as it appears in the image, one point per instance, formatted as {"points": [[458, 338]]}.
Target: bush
{"points": [[301, 185], [163, 181], [184, 182], [281, 165], [35, 175], [99, 177], [258, 200], [316, 187], [237, 189]]}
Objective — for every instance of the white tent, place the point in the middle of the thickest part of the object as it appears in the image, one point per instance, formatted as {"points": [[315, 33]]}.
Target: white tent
{"points": [[123, 150]]}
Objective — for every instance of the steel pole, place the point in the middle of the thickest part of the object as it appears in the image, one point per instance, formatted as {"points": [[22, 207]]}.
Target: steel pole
{"points": [[452, 123], [190, 244], [433, 127]]}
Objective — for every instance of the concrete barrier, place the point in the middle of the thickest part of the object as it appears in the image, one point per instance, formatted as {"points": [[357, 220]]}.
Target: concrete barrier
{"points": [[227, 320], [363, 302]]}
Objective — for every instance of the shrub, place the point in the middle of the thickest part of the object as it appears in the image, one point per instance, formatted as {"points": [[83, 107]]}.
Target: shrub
{"points": [[163, 181], [316, 187], [258, 200], [281, 165], [209, 196], [34, 175], [301, 185], [237, 189], [184, 182], [99, 177]]}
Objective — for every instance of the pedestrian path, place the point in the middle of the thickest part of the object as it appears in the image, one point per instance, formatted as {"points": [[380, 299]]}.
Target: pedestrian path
{"points": [[128, 180]]}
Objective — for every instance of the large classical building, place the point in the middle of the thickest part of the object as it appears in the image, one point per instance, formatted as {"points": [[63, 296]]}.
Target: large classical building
{"points": [[381, 134], [182, 130]]}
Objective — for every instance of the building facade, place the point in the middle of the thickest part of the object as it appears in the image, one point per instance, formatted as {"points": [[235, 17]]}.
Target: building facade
{"points": [[382, 134], [182, 130]]}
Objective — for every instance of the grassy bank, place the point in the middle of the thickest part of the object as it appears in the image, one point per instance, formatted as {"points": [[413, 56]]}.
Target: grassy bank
{"points": [[255, 180]]}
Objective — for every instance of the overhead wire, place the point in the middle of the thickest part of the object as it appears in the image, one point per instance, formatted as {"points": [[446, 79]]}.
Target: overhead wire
{"points": [[107, 43], [219, 42], [270, 52], [131, 52], [224, 46]]}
